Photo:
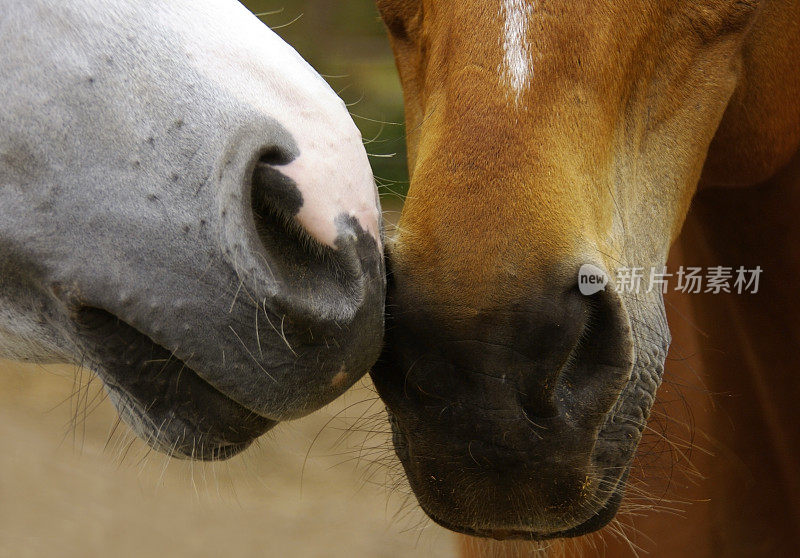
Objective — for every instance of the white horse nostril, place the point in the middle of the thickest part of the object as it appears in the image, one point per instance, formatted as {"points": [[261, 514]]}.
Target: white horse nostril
{"points": [[331, 169], [334, 181]]}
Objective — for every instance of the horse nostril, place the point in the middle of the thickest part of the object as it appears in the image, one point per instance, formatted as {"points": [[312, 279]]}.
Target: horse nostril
{"points": [[549, 332], [599, 364], [540, 412], [313, 195], [538, 407], [277, 155], [318, 283], [579, 355], [273, 194]]}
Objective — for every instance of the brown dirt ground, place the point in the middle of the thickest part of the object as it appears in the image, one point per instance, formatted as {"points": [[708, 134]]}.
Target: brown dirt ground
{"points": [[69, 488]]}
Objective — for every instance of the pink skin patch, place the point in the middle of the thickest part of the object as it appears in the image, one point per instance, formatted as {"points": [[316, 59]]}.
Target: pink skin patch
{"points": [[334, 178], [331, 171]]}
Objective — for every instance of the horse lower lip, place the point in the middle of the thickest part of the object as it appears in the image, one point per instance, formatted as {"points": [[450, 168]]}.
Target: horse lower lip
{"points": [[193, 418], [596, 521], [588, 526], [497, 534]]}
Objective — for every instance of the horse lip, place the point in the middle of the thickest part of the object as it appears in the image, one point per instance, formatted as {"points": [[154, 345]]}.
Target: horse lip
{"points": [[183, 363], [210, 450], [599, 519], [594, 523], [208, 440]]}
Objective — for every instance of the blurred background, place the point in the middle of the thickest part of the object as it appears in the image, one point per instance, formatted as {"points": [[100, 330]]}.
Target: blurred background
{"points": [[346, 42], [74, 482]]}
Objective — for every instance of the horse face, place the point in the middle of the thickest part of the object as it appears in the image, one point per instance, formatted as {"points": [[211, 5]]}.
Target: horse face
{"points": [[186, 207], [542, 136]]}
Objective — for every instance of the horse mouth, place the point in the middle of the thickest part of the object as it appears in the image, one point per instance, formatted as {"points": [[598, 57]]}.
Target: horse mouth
{"points": [[160, 397], [599, 520], [478, 524]]}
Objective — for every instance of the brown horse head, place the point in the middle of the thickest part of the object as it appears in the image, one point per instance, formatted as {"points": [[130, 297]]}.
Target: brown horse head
{"points": [[544, 136]]}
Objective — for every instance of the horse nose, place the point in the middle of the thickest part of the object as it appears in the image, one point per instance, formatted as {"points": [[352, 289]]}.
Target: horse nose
{"points": [[321, 242], [554, 354], [320, 184], [514, 394]]}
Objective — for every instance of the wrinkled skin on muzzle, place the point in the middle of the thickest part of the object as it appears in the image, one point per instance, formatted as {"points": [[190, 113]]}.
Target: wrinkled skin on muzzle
{"points": [[187, 208], [543, 137]]}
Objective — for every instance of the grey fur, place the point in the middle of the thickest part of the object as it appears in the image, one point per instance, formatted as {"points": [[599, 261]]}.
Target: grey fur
{"points": [[125, 194]]}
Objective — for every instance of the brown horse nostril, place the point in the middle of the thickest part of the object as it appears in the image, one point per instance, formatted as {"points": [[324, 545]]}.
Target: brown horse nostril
{"points": [[538, 407], [582, 359], [544, 332], [600, 363], [556, 356]]}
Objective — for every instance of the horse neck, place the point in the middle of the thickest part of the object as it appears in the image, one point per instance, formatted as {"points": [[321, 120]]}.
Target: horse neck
{"points": [[760, 130], [749, 354]]}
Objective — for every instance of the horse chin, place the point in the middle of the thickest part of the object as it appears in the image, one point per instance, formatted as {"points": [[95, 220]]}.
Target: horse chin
{"points": [[163, 400], [600, 519], [575, 523]]}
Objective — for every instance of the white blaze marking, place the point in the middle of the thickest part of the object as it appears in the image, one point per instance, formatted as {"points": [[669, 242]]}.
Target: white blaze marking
{"points": [[515, 69]]}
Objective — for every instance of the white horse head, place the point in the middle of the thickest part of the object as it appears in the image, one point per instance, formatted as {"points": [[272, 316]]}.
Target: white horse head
{"points": [[187, 208]]}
